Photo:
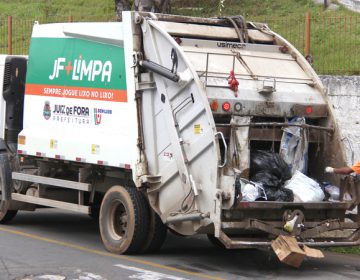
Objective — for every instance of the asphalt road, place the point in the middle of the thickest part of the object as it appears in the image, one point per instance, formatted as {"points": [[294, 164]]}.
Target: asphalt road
{"points": [[56, 245]]}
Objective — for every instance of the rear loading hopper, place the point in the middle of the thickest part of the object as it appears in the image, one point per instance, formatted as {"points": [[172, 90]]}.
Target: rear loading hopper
{"points": [[240, 85]]}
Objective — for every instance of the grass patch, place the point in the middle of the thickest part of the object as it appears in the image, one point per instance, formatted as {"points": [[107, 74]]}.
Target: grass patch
{"points": [[346, 250], [53, 9]]}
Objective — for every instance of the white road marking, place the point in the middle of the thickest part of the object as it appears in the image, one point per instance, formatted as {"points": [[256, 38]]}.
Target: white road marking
{"points": [[81, 276], [144, 274], [48, 277], [52, 277], [90, 276]]}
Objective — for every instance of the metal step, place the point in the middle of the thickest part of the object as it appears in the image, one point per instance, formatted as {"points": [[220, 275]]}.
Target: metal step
{"points": [[51, 181], [51, 203]]}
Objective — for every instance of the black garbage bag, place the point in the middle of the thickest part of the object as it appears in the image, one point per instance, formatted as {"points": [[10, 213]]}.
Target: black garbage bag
{"points": [[271, 163], [279, 194], [271, 171], [267, 179]]}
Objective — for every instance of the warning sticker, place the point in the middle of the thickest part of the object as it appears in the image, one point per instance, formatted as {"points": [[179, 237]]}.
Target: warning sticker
{"points": [[53, 144], [95, 149], [168, 156], [198, 129]]}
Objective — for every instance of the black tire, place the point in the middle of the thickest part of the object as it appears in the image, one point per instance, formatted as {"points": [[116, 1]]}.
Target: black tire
{"points": [[157, 233], [126, 236], [216, 242], [6, 215]]}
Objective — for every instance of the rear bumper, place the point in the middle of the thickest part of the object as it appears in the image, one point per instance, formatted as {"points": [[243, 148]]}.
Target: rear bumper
{"points": [[231, 243], [268, 205], [323, 224]]}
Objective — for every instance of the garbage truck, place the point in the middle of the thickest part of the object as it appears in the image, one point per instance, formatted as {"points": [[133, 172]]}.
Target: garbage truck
{"points": [[152, 124]]}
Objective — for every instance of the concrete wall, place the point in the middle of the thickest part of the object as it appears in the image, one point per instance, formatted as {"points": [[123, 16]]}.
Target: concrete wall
{"points": [[353, 5], [344, 94]]}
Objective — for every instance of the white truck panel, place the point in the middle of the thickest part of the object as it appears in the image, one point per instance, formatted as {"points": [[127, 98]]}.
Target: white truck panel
{"points": [[91, 118], [2, 101], [92, 30]]}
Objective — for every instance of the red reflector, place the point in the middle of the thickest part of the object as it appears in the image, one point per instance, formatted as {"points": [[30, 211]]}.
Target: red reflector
{"points": [[308, 110], [100, 162], [226, 106], [78, 159], [20, 152], [127, 166], [57, 156], [214, 105], [38, 154]]}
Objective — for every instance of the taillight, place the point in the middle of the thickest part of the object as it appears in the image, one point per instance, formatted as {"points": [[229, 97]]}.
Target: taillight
{"points": [[308, 110], [226, 106]]}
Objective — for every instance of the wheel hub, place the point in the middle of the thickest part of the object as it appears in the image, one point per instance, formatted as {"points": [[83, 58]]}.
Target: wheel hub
{"points": [[118, 220]]}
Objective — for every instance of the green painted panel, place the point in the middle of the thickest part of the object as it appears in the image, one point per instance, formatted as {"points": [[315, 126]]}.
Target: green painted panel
{"points": [[76, 62]]}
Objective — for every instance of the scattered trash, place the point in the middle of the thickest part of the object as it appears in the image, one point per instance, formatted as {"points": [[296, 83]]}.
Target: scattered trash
{"points": [[333, 191], [249, 192], [347, 197], [289, 225], [252, 191], [288, 251], [294, 146], [304, 188]]}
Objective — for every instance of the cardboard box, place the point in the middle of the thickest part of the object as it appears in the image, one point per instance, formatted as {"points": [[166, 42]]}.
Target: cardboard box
{"points": [[289, 252]]}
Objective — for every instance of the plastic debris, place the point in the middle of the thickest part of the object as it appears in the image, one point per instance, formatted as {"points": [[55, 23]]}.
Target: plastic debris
{"points": [[333, 191], [252, 191], [289, 225], [304, 188], [294, 146], [249, 192]]}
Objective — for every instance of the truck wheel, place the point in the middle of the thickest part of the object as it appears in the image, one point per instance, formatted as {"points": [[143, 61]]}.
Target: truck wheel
{"points": [[157, 234], [6, 215], [124, 220]]}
